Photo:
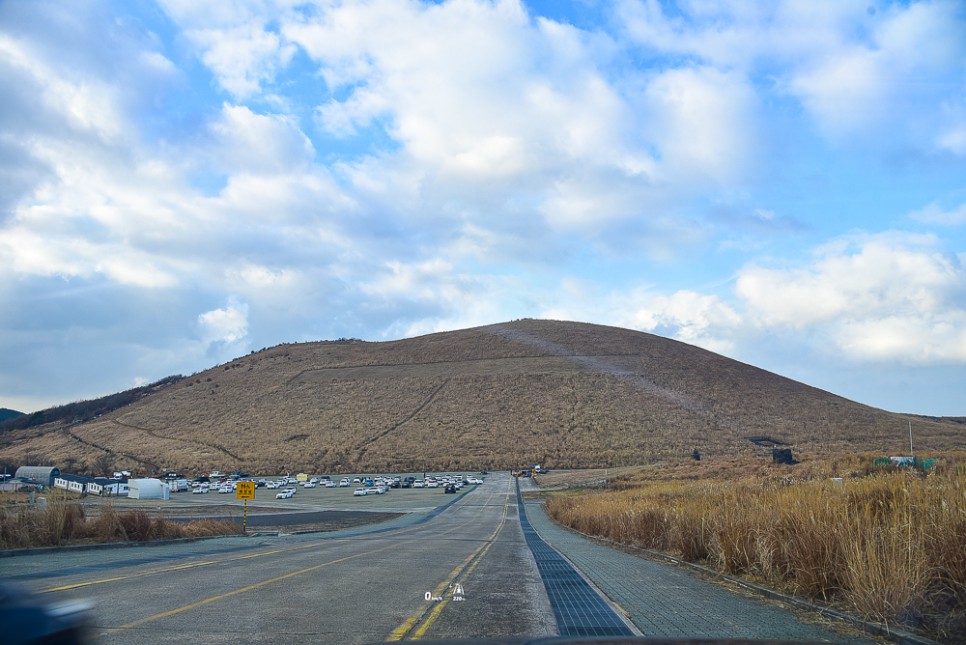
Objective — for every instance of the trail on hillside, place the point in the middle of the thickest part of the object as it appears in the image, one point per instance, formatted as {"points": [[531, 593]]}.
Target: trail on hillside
{"points": [[154, 433], [91, 444], [600, 365], [362, 448]]}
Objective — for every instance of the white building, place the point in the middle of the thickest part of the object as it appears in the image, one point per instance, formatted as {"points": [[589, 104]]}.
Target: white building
{"points": [[148, 489]]}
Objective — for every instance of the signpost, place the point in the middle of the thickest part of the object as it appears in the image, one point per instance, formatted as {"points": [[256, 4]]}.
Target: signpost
{"points": [[245, 491]]}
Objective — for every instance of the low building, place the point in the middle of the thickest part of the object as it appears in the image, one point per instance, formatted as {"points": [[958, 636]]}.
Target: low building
{"points": [[148, 489], [43, 475], [97, 486], [115, 489], [73, 483]]}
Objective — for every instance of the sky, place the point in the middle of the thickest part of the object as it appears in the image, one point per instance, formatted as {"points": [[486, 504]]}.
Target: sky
{"points": [[183, 182]]}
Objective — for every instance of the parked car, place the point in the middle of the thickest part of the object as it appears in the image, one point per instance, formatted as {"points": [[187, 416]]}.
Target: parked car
{"points": [[360, 492], [450, 488], [285, 494]]}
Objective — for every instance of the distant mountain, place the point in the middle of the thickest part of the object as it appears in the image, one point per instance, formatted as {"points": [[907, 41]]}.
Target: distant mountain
{"points": [[7, 414], [560, 394]]}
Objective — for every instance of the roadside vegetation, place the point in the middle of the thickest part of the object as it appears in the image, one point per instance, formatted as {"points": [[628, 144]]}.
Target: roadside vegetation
{"points": [[63, 521], [887, 544]]}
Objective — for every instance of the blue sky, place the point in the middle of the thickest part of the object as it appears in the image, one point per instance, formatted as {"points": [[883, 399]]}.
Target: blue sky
{"points": [[184, 182]]}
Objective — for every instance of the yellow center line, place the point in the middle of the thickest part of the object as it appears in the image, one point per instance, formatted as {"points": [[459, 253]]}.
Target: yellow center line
{"points": [[84, 584], [152, 572], [461, 571], [476, 558], [141, 574], [257, 585], [191, 565]]}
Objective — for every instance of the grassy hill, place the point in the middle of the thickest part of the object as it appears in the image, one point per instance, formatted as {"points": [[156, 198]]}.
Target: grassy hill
{"points": [[560, 394]]}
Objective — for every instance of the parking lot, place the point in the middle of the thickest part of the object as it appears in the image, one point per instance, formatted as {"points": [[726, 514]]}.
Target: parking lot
{"points": [[318, 497]]}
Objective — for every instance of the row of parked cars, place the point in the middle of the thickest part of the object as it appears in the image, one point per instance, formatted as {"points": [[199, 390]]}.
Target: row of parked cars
{"points": [[200, 488], [365, 485]]}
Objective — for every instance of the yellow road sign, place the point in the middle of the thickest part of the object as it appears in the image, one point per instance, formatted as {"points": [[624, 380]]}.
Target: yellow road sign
{"points": [[245, 490], [302, 477]]}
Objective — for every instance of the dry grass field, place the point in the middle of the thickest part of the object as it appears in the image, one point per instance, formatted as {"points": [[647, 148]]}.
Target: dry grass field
{"points": [[556, 393], [889, 545], [63, 521]]}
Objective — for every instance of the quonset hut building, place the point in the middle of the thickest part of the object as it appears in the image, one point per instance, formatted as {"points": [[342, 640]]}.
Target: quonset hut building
{"points": [[44, 475]]}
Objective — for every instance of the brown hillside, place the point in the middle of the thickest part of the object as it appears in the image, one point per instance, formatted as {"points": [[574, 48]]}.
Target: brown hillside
{"points": [[557, 393]]}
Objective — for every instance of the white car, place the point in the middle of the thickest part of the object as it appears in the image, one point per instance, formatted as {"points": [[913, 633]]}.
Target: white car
{"points": [[200, 490], [360, 492], [225, 489], [285, 494], [309, 485], [418, 483]]}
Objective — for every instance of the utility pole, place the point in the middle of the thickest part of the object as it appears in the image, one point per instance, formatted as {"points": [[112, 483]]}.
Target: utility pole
{"points": [[911, 453]]}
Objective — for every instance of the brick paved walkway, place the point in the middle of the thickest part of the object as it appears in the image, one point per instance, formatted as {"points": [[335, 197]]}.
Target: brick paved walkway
{"points": [[667, 602]]}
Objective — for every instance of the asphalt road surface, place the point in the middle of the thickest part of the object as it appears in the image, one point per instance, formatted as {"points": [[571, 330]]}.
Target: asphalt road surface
{"points": [[371, 586], [445, 567]]}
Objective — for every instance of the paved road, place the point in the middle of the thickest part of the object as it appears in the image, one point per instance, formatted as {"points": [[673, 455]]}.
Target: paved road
{"points": [[368, 584], [347, 587]]}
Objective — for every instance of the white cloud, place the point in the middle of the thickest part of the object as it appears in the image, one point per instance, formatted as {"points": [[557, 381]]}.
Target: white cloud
{"points": [[260, 143], [233, 41], [485, 106], [856, 71], [242, 58], [886, 296], [846, 93], [227, 324], [701, 121], [936, 214], [695, 318]]}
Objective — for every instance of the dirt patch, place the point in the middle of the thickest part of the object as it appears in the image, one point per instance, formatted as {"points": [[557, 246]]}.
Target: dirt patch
{"points": [[290, 522]]}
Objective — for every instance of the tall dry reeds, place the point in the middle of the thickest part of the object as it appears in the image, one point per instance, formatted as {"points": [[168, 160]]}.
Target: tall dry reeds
{"points": [[62, 521], [890, 546]]}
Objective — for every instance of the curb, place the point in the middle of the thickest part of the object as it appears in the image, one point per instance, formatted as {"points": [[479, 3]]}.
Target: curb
{"points": [[900, 636], [12, 553]]}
